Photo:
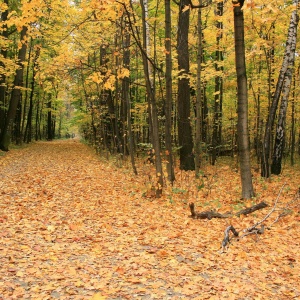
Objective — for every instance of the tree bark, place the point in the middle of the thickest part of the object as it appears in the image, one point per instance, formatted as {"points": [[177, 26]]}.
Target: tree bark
{"points": [[183, 100], [287, 79], [5, 138], [168, 102], [125, 95], [282, 82], [4, 16], [28, 128], [242, 127], [198, 95], [217, 128], [153, 110], [49, 119]]}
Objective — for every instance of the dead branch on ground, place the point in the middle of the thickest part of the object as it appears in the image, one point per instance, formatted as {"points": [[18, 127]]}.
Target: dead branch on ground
{"points": [[213, 214]]}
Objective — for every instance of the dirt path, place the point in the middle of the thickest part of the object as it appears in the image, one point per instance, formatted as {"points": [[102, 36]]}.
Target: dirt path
{"points": [[73, 227]]}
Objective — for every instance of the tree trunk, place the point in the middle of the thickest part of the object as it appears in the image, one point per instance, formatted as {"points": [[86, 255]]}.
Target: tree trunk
{"points": [[217, 128], [287, 79], [168, 103], [3, 77], [28, 129], [5, 138], [284, 74], [198, 96], [24, 108], [183, 100], [242, 127], [49, 119], [153, 110], [126, 98], [293, 131]]}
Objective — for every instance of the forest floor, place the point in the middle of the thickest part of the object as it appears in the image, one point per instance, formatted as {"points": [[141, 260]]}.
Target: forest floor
{"points": [[76, 226]]}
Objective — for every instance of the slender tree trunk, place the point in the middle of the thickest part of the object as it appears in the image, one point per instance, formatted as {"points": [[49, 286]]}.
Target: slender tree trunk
{"points": [[293, 131], [17, 134], [198, 96], [3, 77], [29, 66], [185, 138], [126, 98], [5, 138], [49, 119], [153, 110], [243, 132], [282, 84], [217, 128], [28, 129], [286, 84], [204, 112], [168, 104]]}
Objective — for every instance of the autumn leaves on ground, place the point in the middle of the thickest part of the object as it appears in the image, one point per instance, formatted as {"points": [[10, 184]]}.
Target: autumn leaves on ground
{"points": [[75, 226]]}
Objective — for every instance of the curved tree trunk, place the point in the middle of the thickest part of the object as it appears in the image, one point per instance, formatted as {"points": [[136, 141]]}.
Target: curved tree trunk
{"points": [[287, 80], [282, 82]]}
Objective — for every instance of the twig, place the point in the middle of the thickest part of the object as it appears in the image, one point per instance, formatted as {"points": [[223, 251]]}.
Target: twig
{"points": [[287, 209], [250, 229]]}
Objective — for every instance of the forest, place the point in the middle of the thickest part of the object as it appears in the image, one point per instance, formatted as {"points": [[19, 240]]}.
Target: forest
{"points": [[149, 149]]}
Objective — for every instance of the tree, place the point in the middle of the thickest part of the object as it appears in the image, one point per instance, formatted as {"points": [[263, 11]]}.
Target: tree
{"points": [[282, 86], [199, 95], [15, 99], [4, 35], [217, 128], [152, 106], [285, 90], [168, 101], [242, 93], [183, 100]]}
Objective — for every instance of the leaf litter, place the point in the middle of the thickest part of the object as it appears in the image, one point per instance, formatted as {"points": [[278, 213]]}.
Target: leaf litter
{"points": [[73, 226]]}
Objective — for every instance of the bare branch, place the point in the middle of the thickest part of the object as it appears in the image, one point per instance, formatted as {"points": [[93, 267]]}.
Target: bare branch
{"points": [[267, 216]]}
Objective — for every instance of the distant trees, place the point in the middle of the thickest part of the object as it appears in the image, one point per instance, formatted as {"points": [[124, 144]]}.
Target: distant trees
{"points": [[23, 87]]}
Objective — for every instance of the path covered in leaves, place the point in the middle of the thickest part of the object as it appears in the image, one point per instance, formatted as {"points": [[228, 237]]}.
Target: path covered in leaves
{"points": [[74, 227]]}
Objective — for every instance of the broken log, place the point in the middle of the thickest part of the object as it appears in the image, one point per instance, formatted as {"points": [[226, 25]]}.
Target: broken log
{"points": [[206, 214], [213, 214], [251, 209]]}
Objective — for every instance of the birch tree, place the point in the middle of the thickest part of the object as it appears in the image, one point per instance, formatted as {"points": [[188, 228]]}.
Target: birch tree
{"points": [[282, 87], [285, 80]]}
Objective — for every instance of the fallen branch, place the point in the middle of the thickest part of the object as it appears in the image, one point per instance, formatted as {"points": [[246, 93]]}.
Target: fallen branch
{"points": [[251, 209], [288, 209], [206, 214], [253, 228], [213, 214], [226, 239]]}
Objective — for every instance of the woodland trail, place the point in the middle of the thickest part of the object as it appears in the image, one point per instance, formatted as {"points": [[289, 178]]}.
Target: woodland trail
{"points": [[74, 227]]}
